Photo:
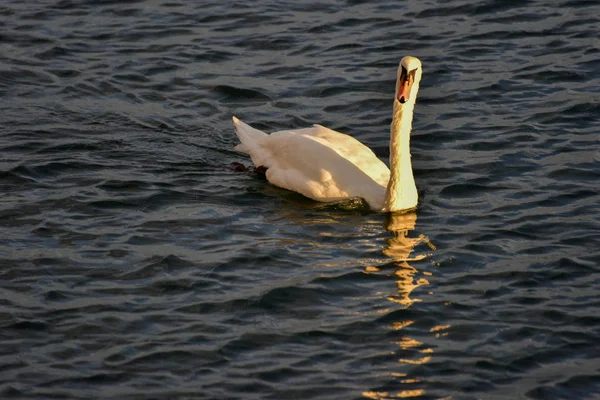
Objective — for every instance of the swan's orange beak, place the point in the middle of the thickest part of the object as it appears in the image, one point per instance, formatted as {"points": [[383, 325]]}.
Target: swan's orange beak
{"points": [[404, 92]]}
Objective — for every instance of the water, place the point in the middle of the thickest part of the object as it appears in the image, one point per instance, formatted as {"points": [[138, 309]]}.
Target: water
{"points": [[135, 264]]}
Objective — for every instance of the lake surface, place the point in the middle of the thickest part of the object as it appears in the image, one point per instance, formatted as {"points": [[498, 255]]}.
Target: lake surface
{"points": [[136, 264]]}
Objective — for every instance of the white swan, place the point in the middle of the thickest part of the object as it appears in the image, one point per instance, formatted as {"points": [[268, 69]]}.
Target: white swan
{"points": [[328, 166]]}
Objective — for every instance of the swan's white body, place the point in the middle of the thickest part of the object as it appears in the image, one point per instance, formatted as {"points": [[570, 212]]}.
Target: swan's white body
{"points": [[329, 166]]}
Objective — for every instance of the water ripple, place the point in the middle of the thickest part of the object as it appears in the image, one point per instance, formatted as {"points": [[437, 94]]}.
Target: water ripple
{"points": [[134, 260]]}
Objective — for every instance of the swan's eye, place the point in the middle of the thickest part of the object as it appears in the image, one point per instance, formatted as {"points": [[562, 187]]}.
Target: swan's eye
{"points": [[404, 71]]}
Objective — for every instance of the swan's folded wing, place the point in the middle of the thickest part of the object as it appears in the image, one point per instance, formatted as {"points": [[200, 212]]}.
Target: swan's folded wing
{"points": [[354, 151], [312, 166]]}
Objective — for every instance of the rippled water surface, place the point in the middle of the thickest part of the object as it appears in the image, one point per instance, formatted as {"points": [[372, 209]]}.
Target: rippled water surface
{"points": [[136, 264]]}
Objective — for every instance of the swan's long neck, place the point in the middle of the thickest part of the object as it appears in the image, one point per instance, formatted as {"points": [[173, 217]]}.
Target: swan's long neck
{"points": [[401, 193]]}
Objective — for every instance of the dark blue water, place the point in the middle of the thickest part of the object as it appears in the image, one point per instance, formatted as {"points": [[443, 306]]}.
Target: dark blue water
{"points": [[135, 264]]}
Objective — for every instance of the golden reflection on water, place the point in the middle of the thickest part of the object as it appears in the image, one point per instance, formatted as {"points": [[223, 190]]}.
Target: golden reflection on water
{"points": [[400, 395], [400, 248]]}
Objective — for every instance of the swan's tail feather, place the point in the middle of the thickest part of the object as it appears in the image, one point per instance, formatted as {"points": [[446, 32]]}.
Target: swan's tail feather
{"points": [[247, 135]]}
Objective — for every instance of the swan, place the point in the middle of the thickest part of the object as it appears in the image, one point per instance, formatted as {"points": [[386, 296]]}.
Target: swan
{"points": [[329, 166]]}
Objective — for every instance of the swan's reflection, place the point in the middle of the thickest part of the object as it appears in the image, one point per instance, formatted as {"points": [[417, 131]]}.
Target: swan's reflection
{"points": [[400, 248]]}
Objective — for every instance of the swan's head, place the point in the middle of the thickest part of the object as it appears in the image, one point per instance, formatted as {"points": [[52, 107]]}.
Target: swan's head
{"points": [[409, 76]]}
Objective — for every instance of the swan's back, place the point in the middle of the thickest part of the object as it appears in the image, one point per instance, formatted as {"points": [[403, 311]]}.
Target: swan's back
{"points": [[317, 162]]}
